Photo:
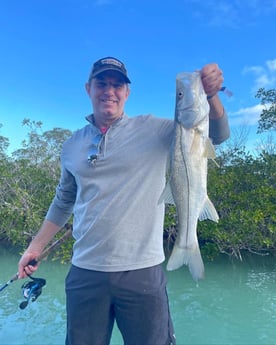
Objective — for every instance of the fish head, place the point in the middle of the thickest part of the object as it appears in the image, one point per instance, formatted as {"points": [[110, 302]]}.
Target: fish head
{"points": [[191, 101]]}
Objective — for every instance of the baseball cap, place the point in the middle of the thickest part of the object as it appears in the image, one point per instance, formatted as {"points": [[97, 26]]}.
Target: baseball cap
{"points": [[109, 64]]}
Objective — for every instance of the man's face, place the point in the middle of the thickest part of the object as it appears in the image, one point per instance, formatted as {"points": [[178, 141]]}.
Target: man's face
{"points": [[108, 93]]}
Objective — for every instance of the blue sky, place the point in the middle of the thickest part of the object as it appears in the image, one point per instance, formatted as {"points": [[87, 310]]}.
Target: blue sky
{"points": [[48, 47]]}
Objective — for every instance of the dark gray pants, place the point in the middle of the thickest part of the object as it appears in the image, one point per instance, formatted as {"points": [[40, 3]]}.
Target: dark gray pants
{"points": [[137, 300]]}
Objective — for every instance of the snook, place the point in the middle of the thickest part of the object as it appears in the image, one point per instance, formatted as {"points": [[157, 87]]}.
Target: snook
{"points": [[188, 172]]}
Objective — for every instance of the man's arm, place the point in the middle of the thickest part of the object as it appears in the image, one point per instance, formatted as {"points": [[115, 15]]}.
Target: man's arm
{"points": [[219, 130], [46, 233], [212, 79]]}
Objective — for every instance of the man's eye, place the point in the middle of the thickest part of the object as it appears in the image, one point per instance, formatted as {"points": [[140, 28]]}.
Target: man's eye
{"points": [[101, 84], [118, 85]]}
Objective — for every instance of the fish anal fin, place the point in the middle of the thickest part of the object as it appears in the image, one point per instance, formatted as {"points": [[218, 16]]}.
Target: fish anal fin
{"points": [[208, 211], [167, 195]]}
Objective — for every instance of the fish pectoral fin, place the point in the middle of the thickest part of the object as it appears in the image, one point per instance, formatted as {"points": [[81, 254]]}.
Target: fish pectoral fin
{"points": [[166, 195], [209, 150], [208, 211]]}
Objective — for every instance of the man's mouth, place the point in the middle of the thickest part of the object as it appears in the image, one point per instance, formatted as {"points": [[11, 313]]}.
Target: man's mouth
{"points": [[109, 101]]}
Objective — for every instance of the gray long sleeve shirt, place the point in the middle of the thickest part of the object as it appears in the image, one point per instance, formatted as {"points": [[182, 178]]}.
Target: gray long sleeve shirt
{"points": [[118, 221]]}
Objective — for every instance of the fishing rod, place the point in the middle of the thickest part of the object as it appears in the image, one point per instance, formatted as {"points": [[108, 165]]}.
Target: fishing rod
{"points": [[34, 262]]}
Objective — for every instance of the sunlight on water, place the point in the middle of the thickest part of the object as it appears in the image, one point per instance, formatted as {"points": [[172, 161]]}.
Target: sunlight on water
{"points": [[234, 304]]}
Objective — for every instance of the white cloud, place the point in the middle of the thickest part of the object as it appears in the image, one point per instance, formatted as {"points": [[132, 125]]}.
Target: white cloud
{"points": [[265, 76], [253, 69], [271, 64], [248, 116]]}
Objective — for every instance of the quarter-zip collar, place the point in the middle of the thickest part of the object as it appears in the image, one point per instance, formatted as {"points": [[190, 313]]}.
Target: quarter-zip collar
{"points": [[122, 120], [105, 135]]}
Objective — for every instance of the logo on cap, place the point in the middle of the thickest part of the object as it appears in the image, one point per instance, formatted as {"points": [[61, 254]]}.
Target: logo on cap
{"points": [[110, 61]]}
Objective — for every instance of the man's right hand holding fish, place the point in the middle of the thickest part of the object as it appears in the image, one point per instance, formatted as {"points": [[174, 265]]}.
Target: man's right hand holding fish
{"points": [[212, 80]]}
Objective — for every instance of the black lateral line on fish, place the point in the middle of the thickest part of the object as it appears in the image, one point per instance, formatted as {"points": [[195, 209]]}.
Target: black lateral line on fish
{"points": [[188, 191]]}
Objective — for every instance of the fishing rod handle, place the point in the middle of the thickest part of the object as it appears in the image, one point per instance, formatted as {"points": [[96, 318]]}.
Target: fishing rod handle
{"points": [[33, 262]]}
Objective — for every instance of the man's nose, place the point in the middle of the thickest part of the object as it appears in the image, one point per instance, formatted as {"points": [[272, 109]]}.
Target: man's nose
{"points": [[109, 87]]}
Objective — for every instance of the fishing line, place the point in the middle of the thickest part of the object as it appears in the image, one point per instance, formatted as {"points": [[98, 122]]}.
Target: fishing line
{"points": [[223, 89], [227, 92]]}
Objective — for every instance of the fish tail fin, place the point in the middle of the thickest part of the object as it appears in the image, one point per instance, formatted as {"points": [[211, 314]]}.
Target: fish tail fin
{"points": [[187, 256], [209, 211]]}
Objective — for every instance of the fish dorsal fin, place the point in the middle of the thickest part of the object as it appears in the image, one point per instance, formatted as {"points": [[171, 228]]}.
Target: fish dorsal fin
{"points": [[208, 211]]}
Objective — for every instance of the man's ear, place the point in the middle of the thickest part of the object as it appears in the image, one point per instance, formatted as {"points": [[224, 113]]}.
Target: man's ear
{"points": [[128, 91], [87, 88]]}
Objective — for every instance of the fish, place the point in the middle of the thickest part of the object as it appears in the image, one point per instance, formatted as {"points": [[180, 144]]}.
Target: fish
{"points": [[187, 180]]}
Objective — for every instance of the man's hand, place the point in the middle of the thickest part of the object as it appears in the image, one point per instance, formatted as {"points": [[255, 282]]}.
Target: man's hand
{"points": [[24, 267], [212, 79]]}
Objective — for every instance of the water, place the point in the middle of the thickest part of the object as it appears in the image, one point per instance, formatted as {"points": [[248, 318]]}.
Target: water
{"points": [[234, 305]]}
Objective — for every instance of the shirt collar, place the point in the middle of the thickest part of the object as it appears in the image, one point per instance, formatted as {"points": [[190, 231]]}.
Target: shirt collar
{"points": [[122, 119]]}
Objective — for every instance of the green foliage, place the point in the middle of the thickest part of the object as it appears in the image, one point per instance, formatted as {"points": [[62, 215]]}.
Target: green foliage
{"points": [[268, 116], [4, 144], [170, 227], [28, 182], [28, 189], [244, 195]]}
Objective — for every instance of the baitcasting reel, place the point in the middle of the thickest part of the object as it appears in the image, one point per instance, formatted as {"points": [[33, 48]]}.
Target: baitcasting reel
{"points": [[31, 290]]}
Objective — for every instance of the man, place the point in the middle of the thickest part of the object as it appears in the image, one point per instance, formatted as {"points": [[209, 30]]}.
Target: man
{"points": [[113, 173]]}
